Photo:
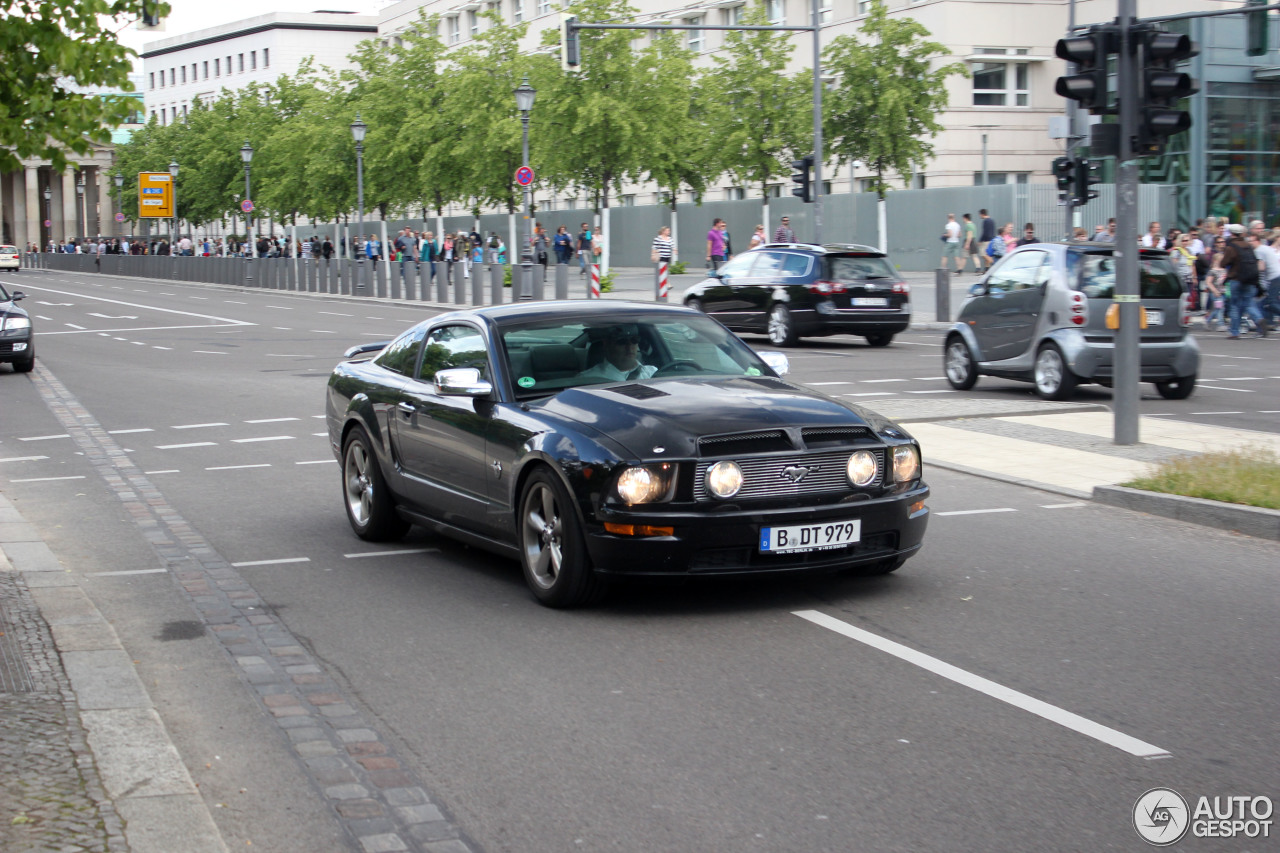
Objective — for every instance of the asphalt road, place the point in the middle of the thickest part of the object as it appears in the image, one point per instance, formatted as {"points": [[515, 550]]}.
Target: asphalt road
{"points": [[822, 714]]}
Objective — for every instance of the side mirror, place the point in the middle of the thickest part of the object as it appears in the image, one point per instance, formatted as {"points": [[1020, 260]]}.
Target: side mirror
{"points": [[777, 361], [978, 289], [462, 382], [16, 295]]}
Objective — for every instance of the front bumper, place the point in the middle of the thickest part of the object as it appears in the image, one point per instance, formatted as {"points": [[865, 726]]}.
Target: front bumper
{"points": [[726, 542], [15, 346]]}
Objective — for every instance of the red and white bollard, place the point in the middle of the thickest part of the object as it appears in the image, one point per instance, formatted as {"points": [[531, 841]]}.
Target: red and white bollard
{"points": [[663, 286], [595, 281]]}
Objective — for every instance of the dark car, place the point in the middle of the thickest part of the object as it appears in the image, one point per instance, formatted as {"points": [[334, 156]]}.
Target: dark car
{"points": [[794, 290], [1046, 314], [17, 340], [592, 439]]}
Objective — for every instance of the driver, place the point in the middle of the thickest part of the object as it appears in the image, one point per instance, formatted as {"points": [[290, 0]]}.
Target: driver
{"points": [[621, 357]]}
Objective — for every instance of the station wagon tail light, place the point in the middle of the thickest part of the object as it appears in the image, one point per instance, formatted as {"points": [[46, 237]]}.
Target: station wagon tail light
{"points": [[906, 463], [825, 287], [1188, 305], [901, 287], [643, 484], [1079, 308]]}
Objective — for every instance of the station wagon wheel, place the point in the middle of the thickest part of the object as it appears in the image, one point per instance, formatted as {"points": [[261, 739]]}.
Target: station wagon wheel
{"points": [[1054, 380], [370, 507], [27, 364], [958, 364], [695, 304], [879, 340], [552, 550], [782, 331], [1177, 389]]}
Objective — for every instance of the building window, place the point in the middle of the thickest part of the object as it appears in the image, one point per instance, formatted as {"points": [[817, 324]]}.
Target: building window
{"points": [[735, 194], [517, 11], [253, 60], [775, 190], [826, 11], [240, 63], [153, 79], [206, 69], [173, 77], [217, 68], [194, 75], [999, 179], [864, 7], [544, 7], [733, 16], [1003, 83], [473, 24], [228, 65], [184, 110], [184, 74], [266, 57], [174, 112], [455, 32], [628, 201], [777, 11], [696, 42]]}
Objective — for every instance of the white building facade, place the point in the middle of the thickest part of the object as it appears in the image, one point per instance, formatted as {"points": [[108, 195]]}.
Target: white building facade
{"points": [[181, 70]]}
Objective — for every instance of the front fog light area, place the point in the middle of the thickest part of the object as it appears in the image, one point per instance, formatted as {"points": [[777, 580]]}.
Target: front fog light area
{"points": [[861, 468], [724, 479], [906, 463]]}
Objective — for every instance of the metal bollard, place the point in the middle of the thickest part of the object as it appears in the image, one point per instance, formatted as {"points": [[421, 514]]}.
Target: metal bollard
{"points": [[445, 282], [562, 281], [942, 294], [539, 282], [460, 285], [497, 272], [477, 286]]}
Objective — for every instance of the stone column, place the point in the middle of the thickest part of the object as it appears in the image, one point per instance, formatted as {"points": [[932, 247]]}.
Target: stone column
{"points": [[106, 206], [69, 199], [33, 215]]}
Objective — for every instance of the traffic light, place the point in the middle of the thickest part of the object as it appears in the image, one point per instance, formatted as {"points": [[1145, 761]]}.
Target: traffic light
{"points": [[1086, 175], [570, 52], [800, 175], [1089, 52], [1064, 171], [1256, 22], [1161, 86]]}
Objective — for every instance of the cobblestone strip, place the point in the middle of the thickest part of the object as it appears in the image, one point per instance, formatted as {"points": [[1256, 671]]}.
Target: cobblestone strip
{"points": [[383, 807], [51, 797]]}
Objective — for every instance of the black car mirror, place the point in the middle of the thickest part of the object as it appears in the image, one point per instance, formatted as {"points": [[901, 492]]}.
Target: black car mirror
{"points": [[16, 295], [462, 382]]}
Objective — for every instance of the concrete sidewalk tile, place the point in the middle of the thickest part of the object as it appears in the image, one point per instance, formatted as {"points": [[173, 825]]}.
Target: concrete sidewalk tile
{"points": [[134, 754], [65, 606], [105, 679], [17, 531], [85, 637], [44, 580], [168, 823], [1179, 435], [31, 557]]}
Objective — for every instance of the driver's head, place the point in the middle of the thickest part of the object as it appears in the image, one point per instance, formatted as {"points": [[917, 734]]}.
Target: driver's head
{"points": [[622, 346]]}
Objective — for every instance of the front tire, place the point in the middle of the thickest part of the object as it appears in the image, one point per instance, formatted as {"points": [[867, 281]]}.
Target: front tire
{"points": [[959, 366], [1177, 389], [553, 552], [695, 304], [1053, 379], [879, 340], [782, 329], [371, 509], [26, 365]]}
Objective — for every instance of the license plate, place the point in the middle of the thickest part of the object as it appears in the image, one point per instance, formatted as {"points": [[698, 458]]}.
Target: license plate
{"points": [[1155, 317], [869, 302], [809, 537]]}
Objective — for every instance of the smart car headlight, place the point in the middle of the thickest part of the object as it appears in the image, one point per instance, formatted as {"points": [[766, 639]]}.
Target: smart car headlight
{"points": [[642, 484], [13, 324], [861, 467], [724, 479], [906, 463]]}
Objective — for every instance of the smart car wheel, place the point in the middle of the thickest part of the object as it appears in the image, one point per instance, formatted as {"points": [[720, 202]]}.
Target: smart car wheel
{"points": [[782, 331], [1054, 381], [958, 364], [552, 551], [1177, 389], [370, 506]]}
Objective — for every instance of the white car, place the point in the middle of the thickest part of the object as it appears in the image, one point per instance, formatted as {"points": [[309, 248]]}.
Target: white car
{"points": [[9, 258]]}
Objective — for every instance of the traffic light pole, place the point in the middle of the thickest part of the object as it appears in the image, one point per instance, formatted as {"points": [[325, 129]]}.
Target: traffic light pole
{"points": [[1127, 360]]}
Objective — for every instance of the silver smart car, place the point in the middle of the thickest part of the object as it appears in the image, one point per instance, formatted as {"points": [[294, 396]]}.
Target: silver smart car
{"points": [[1040, 315]]}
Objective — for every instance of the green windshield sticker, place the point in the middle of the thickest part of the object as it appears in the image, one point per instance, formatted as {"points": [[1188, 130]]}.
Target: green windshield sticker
{"points": [[526, 382], [753, 371]]}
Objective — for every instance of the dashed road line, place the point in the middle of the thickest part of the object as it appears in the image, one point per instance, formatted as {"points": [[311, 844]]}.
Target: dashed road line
{"points": [[45, 437], [198, 426], [977, 511], [272, 420], [278, 562], [128, 431], [363, 554], [207, 352], [165, 471], [47, 479], [308, 462], [262, 438], [125, 572], [1071, 505], [237, 467], [26, 459], [183, 446]]}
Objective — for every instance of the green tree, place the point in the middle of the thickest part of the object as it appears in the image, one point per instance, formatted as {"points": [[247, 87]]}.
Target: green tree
{"points": [[49, 50]]}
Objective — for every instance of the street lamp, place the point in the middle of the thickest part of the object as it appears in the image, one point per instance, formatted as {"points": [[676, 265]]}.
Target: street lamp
{"points": [[246, 154], [80, 209], [357, 132], [48, 211], [119, 179], [173, 220], [525, 95]]}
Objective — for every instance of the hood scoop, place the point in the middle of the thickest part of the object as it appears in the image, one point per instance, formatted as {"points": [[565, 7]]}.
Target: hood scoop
{"points": [[639, 392]]}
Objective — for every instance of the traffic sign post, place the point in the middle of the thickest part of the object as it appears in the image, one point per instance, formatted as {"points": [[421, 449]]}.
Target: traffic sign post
{"points": [[155, 195], [524, 176]]}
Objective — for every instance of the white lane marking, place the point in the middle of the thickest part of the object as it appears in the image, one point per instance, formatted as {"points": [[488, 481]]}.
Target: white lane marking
{"points": [[197, 426], [165, 471], [335, 313], [1052, 713], [219, 321], [935, 391], [311, 462], [872, 394], [272, 562], [321, 417], [45, 437], [1071, 505], [1217, 413], [234, 302], [72, 325], [1240, 357], [237, 467], [138, 343], [319, 434], [47, 479], [24, 459], [54, 304], [127, 572], [207, 352], [391, 553], [819, 384], [272, 420], [323, 332], [262, 438], [122, 340], [153, 346], [1236, 379], [112, 316], [280, 307], [180, 446], [46, 319], [128, 431], [872, 381], [1269, 412], [977, 511], [201, 298]]}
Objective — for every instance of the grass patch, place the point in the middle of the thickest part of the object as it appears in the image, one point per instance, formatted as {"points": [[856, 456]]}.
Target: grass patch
{"points": [[1250, 476]]}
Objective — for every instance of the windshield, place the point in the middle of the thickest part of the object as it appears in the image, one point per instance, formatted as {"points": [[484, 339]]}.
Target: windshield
{"points": [[549, 356], [1097, 278], [850, 269]]}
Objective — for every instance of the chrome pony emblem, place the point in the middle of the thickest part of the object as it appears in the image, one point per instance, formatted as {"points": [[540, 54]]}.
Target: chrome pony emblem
{"points": [[796, 473]]}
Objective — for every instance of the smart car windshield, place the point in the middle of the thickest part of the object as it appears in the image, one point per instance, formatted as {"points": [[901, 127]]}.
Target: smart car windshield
{"points": [[1098, 277], [548, 356]]}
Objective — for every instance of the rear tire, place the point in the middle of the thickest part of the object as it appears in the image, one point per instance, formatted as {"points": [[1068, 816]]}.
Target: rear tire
{"points": [[371, 509], [695, 304], [1177, 389], [782, 329], [553, 552], [879, 340], [1053, 379]]}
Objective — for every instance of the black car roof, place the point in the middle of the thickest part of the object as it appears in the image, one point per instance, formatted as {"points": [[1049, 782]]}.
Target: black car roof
{"points": [[829, 248], [592, 309]]}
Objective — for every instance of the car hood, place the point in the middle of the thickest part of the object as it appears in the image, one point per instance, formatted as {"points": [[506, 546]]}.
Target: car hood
{"points": [[675, 413]]}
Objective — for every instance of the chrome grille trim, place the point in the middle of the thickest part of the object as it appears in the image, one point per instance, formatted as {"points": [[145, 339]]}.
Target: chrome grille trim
{"points": [[762, 478]]}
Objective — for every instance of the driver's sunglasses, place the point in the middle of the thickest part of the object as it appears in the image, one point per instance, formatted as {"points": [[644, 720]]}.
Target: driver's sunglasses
{"points": [[626, 340]]}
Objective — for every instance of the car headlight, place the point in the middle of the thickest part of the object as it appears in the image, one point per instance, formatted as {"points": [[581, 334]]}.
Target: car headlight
{"points": [[644, 484], [906, 463], [12, 324], [724, 479], [861, 467]]}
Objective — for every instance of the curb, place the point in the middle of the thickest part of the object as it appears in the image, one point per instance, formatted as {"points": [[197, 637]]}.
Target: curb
{"points": [[1247, 520], [139, 766]]}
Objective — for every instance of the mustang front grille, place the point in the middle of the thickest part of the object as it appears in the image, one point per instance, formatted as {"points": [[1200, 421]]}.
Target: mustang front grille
{"points": [[783, 476]]}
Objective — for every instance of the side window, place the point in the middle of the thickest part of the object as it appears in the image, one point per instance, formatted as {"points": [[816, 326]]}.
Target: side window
{"points": [[1034, 272], [454, 346], [1016, 272], [768, 264], [738, 266], [401, 355], [795, 266]]}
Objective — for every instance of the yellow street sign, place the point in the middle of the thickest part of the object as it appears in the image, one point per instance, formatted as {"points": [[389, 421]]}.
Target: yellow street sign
{"points": [[155, 195]]}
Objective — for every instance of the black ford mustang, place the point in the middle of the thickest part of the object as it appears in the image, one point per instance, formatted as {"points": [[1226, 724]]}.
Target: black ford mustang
{"points": [[590, 438]]}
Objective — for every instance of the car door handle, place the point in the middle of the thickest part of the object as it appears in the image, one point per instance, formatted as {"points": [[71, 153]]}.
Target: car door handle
{"points": [[407, 408]]}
